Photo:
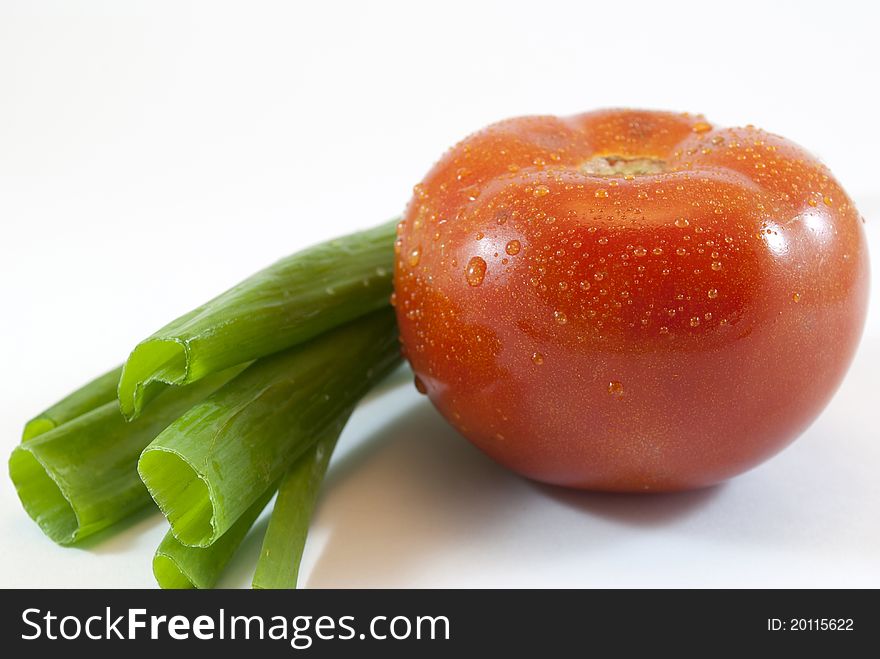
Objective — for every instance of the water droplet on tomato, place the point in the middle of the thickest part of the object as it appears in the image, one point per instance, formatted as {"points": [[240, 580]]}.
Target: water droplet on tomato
{"points": [[716, 265], [414, 257], [640, 251], [712, 293], [513, 247], [796, 297], [615, 388], [601, 193], [420, 385], [695, 321], [476, 270], [701, 127], [537, 358], [682, 222], [541, 190], [560, 317]]}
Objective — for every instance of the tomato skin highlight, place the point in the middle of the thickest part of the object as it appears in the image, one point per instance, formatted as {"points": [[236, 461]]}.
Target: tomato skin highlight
{"points": [[629, 300]]}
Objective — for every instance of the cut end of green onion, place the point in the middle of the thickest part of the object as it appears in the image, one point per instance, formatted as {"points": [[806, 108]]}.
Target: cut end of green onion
{"points": [[94, 393], [42, 498], [177, 566], [37, 426], [181, 494], [292, 301], [152, 366], [168, 573]]}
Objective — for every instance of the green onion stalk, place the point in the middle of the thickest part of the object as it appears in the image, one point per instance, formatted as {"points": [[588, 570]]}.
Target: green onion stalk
{"points": [[289, 302], [208, 467], [176, 565], [285, 539], [81, 477], [99, 391], [220, 409]]}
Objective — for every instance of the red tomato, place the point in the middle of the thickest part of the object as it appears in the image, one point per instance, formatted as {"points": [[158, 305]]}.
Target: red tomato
{"points": [[629, 300]]}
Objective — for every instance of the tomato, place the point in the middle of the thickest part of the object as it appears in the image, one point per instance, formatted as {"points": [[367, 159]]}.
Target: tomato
{"points": [[629, 300]]}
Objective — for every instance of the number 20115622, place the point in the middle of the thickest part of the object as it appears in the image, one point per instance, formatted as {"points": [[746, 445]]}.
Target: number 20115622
{"points": [[810, 624]]}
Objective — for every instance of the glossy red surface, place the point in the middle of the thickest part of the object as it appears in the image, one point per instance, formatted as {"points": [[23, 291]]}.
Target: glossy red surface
{"points": [[629, 300]]}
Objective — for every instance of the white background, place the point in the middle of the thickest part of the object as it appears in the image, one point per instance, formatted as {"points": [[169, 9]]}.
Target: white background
{"points": [[152, 154]]}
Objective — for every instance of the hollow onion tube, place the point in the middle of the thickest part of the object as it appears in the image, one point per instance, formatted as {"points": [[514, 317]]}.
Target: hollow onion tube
{"points": [[285, 539], [208, 467], [99, 391], [289, 302], [80, 477], [176, 565]]}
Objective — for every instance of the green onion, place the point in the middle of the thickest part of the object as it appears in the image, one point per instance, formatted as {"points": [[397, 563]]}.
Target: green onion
{"points": [[289, 302], [94, 394], [80, 477], [285, 539], [207, 468], [178, 566]]}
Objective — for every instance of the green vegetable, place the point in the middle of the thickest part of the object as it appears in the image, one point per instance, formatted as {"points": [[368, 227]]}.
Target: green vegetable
{"points": [[289, 302], [285, 539], [94, 394], [207, 468], [80, 477], [178, 566]]}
